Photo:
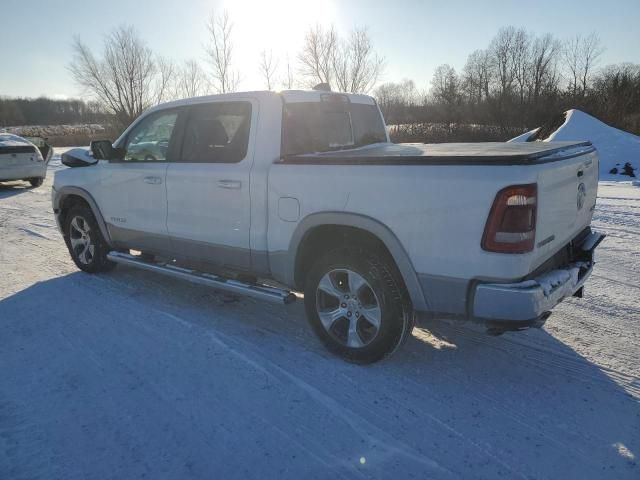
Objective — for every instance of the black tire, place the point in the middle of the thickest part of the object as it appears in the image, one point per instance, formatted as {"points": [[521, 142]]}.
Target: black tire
{"points": [[396, 319], [93, 262], [36, 182]]}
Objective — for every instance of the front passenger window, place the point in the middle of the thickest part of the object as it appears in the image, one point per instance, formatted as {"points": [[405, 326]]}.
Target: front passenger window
{"points": [[149, 140]]}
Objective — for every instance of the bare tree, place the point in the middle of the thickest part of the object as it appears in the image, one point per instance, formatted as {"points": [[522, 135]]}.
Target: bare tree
{"points": [[191, 81], [477, 75], [317, 55], [521, 58], [445, 91], [351, 63], [391, 94], [571, 57], [397, 100], [445, 86], [591, 51], [502, 52], [220, 52], [616, 95], [126, 79], [288, 80], [544, 53], [166, 76], [357, 67], [268, 67], [581, 55]]}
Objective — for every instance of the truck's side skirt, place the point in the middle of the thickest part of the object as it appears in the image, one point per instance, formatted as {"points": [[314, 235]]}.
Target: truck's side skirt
{"points": [[262, 292]]}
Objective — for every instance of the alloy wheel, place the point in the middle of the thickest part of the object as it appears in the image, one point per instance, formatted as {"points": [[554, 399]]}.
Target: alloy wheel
{"points": [[80, 240], [348, 308]]}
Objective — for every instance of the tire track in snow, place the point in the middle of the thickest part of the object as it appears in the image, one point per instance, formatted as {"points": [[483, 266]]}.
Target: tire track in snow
{"points": [[564, 442], [329, 460], [135, 439], [371, 434], [33, 233], [550, 360], [615, 280]]}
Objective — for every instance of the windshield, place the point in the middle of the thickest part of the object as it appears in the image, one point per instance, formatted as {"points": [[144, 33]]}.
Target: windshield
{"points": [[310, 127]]}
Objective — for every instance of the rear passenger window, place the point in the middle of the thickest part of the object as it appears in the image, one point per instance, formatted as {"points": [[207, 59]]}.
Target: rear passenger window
{"points": [[217, 133]]}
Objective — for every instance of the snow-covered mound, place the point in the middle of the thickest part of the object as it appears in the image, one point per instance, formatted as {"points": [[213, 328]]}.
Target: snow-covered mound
{"points": [[615, 147], [55, 130], [525, 136]]}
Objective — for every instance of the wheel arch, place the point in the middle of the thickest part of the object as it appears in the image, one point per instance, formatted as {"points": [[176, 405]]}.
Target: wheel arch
{"points": [[67, 197], [360, 224]]}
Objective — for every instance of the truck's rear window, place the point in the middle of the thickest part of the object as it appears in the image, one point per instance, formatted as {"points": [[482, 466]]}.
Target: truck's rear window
{"points": [[310, 127]]}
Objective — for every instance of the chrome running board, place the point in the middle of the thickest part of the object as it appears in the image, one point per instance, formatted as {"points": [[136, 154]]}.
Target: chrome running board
{"points": [[262, 292]]}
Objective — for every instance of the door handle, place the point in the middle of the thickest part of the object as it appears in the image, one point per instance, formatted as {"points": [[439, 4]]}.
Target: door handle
{"points": [[230, 184], [153, 180]]}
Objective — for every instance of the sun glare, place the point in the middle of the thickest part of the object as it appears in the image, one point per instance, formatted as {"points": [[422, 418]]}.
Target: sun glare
{"points": [[277, 24]]}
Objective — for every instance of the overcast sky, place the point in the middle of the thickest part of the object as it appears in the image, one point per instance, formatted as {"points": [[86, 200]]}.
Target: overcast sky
{"points": [[414, 36]]}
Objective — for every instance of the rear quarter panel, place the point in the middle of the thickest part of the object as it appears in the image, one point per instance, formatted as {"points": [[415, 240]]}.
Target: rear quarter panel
{"points": [[438, 213]]}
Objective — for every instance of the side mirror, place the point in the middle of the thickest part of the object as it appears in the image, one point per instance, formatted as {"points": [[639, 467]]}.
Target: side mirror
{"points": [[78, 157], [102, 149]]}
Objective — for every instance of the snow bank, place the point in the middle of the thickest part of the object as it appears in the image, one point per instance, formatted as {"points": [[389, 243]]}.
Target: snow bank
{"points": [[615, 147], [525, 136], [55, 130]]}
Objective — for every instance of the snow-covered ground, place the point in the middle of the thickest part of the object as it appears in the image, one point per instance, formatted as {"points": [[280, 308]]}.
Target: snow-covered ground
{"points": [[131, 375], [615, 147]]}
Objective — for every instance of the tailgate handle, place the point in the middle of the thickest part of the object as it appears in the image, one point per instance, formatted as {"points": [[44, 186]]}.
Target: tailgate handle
{"points": [[580, 173]]}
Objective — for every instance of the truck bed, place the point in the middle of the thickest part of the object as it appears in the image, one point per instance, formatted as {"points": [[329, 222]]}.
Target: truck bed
{"points": [[487, 153], [439, 213]]}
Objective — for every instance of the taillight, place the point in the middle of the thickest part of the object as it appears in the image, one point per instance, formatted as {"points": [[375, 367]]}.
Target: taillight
{"points": [[511, 226]]}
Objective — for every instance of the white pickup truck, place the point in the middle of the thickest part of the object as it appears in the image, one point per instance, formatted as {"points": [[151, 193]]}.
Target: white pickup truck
{"points": [[267, 193]]}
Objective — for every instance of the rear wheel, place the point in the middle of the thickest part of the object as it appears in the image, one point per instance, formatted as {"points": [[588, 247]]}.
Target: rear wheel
{"points": [[36, 182], [355, 305], [86, 245]]}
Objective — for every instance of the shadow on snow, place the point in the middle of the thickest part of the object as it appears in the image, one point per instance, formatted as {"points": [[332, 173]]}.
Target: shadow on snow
{"points": [[129, 373]]}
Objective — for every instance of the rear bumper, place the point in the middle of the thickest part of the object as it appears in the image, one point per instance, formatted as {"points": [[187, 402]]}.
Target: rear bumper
{"points": [[20, 172], [528, 303]]}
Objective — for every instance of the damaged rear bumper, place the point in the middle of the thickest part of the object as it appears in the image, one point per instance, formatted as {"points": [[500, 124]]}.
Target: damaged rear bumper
{"points": [[513, 306]]}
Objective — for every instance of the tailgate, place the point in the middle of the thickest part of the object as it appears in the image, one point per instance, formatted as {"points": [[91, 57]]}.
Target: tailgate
{"points": [[567, 191]]}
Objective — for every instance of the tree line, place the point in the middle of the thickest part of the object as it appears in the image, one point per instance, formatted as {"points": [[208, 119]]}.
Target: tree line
{"points": [[517, 82], [47, 111]]}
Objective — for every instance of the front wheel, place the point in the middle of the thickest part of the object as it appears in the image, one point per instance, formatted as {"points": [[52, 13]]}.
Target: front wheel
{"points": [[36, 182], [355, 305], [86, 245]]}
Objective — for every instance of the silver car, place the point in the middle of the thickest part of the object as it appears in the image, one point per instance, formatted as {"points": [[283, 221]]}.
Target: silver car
{"points": [[24, 159]]}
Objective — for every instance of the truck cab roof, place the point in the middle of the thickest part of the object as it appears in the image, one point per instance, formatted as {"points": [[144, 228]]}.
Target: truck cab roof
{"points": [[288, 96]]}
